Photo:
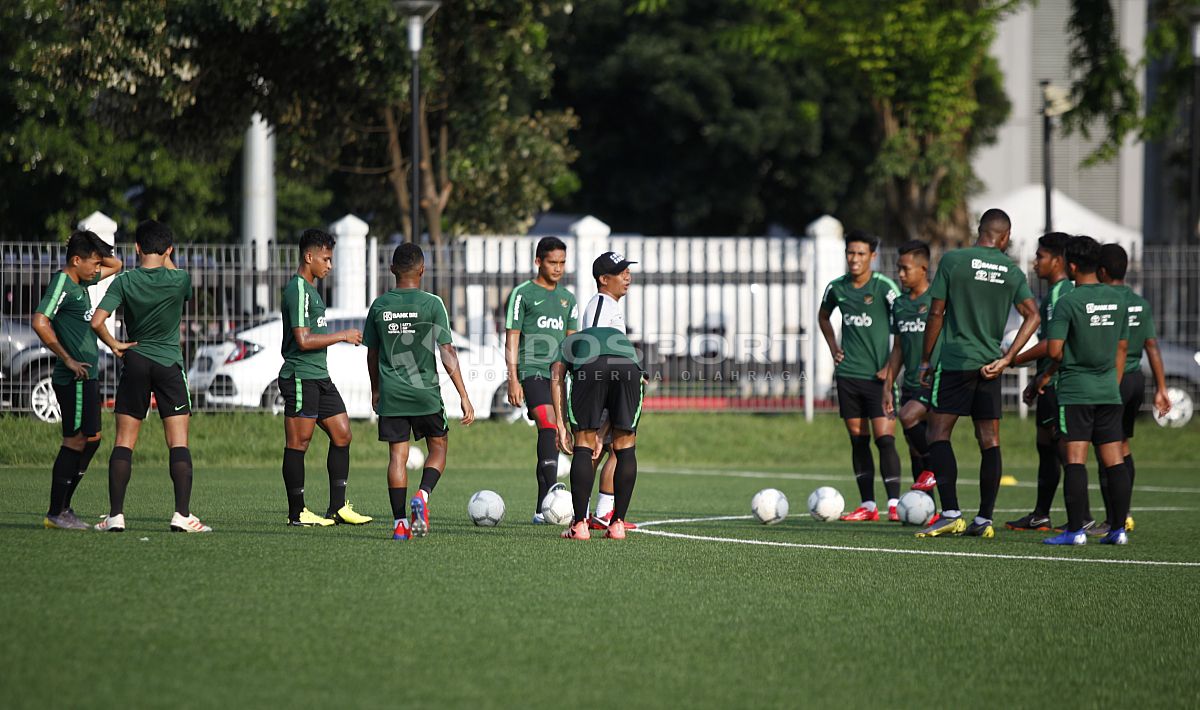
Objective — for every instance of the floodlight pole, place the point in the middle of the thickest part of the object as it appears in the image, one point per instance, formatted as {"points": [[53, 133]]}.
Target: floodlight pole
{"points": [[1194, 164], [418, 12], [1047, 172]]}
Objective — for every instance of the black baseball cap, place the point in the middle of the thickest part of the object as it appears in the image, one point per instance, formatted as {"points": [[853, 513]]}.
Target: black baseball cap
{"points": [[610, 262]]}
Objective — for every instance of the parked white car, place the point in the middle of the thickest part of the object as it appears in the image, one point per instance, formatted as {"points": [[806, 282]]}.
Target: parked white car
{"points": [[241, 372]]}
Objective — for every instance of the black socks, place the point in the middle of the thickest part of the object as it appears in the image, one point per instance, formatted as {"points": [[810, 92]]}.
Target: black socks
{"points": [[623, 481], [582, 478], [945, 467], [181, 477], [429, 478], [889, 465], [120, 467], [293, 481], [338, 463], [864, 466], [397, 497], [1049, 473], [62, 479], [989, 481], [918, 448], [85, 460], [1120, 491], [1075, 491], [547, 465]]}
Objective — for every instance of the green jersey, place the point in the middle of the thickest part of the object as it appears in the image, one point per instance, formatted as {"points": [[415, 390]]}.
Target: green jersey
{"points": [[908, 324], [1141, 327], [1090, 320], [406, 326], [302, 308], [866, 322], [590, 343], [543, 317], [979, 285], [68, 305], [153, 301], [1047, 311]]}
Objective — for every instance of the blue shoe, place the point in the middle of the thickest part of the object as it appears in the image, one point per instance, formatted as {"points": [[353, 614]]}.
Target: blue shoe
{"points": [[1067, 537], [539, 519], [1115, 537], [419, 522]]}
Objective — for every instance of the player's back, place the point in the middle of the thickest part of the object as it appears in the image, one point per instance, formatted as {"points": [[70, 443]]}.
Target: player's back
{"points": [[980, 285], [407, 326], [1090, 320], [1141, 327], [153, 309]]}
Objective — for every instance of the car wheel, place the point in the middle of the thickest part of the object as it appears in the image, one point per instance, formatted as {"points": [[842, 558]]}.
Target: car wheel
{"points": [[272, 399], [42, 401], [1183, 405]]}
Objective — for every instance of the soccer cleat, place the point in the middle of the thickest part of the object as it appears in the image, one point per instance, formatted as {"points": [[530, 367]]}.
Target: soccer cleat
{"points": [[1087, 525], [1115, 537], [577, 531], [1099, 530], [310, 519], [401, 531], [188, 524], [1128, 523], [539, 519], [601, 522], [861, 514], [984, 530], [925, 482], [1033, 521], [111, 523], [936, 517], [349, 516], [616, 530], [420, 515], [944, 526], [1067, 537], [64, 521], [893, 514]]}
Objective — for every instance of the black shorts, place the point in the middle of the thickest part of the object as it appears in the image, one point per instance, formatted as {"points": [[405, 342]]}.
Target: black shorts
{"points": [[1047, 408], [964, 392], [397, 429], [79, 404], [608, 382], [537, 393], [1133, 395], [859, 399], [921, 394], [1097, 423], [143, 377], [310, 399], [608, 436]]}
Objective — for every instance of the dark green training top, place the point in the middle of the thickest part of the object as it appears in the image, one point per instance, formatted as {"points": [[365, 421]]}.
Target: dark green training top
{"points": [[1090, 320], [979, 285], [302, 308], [68, 305], [407, 325], [866, 322], [153, 301]]}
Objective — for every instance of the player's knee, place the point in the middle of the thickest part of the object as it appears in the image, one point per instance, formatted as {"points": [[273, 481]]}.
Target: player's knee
{"points": [[987, 438], [75, 443], [885, 443], [543, 415]]}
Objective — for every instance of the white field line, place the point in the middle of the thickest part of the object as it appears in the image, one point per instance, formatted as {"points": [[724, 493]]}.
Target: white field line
{"points": [[884, 550], [845, 477]]}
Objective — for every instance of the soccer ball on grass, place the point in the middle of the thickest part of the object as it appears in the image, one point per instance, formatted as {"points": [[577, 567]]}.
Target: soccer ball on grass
{"points": [[558, 508], [915, 508], [769, 505], [826, 504], [486, 509]]}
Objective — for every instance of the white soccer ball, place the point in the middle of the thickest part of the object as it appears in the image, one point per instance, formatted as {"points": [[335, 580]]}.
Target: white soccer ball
{"points": [[915, 508], [416, 458], [486, 509], [558, 508], [826, 504], [769, 505], [564, 465]]}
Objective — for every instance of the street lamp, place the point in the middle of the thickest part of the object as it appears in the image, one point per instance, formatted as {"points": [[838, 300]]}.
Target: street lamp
{"points": [[1194, 163], [418, 13], [1055, 102]]}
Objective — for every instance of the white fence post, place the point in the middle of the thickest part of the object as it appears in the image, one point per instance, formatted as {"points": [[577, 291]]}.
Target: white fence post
{"points": [[829, 262], [104, 227], [258, 207], [350, 263], [591, 240]]}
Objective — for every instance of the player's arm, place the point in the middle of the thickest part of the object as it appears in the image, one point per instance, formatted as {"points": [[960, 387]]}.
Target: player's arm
{"points": [[307, 340], [558, 372], [45, 331], [1030, 320], [1162, 402], [110, 266], [450, 363], [933, 329], [168, 262], [373, 373], [1122, 355], [830, 337], [1032, 354], [98, 320], [512, 343], [894, 363]]}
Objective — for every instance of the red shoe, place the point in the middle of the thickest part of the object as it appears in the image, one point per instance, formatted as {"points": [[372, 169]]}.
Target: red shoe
{"points": [[861, 514], [925, 482], [577, 531], [616, 530], [936, 517], [893, 514], [601, 523]]}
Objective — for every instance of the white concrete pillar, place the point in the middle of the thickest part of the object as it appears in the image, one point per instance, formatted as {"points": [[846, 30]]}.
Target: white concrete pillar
{"points": [[104, 227], [350, 263], [591, 240], [258, 204], [829, 262]]}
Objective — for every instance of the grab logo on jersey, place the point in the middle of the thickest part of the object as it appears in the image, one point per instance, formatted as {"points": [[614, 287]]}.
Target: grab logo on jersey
{"points": [[548, 322], [861, 321], [321, 322], [911, 326]]}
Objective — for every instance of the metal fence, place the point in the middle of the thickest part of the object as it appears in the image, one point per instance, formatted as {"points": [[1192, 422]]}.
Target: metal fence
{"points": [[722, 323]]}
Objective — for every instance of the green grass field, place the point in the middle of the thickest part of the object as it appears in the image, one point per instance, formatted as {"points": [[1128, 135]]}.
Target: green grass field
{"points": [[258, 614]]}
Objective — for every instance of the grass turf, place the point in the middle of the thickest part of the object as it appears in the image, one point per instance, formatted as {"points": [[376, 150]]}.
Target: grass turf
{"points": [[262, 614]]}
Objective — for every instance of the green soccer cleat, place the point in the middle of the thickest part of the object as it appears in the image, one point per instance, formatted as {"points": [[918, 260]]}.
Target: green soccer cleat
{"points": [[945, 526]]}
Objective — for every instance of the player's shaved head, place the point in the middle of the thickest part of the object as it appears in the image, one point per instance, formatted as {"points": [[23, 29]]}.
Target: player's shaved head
{"points": [[916, 247], [407, 258], [994, 224]]}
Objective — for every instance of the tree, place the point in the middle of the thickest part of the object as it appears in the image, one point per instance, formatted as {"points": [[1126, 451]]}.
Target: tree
{"points": [[332, 79]]}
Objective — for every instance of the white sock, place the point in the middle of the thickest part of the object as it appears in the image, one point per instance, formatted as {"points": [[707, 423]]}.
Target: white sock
{"points": [[396, 523], [982, 521], [869, 505], [951, 513], [892, 502], [604, 504]]}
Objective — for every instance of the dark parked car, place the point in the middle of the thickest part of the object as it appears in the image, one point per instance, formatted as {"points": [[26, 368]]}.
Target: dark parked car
{"points": [[26, 367]]}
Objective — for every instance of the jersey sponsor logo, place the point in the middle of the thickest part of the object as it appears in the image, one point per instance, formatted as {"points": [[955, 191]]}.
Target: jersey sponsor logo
{"points": [[548, 322], [861, 321], [321, 322], [911, 326], [538, 303], [988, 272], [1097, 307], [397, 315], [922, 308], [1100, 313], [563, 302], [868, 299], [87, 315]]}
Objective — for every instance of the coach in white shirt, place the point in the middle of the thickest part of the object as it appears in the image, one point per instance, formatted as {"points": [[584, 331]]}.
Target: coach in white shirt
{"points": [[611, 271]]}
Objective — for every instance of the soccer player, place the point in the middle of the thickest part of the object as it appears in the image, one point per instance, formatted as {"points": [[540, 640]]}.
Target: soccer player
{"points": [[1088, 340], [605, 375], [909, 314], [404, 328], [62, 321], [1050, 264], [310, 397], [541, 312], [865, 299], [972, 293], [1114, 262], [152, 297]]}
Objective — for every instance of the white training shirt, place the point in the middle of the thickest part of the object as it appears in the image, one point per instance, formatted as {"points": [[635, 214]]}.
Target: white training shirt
{"points": [[603, 311]]}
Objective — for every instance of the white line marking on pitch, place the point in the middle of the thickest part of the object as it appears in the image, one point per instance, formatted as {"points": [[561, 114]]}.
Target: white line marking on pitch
{"points": [[641, 528]]}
